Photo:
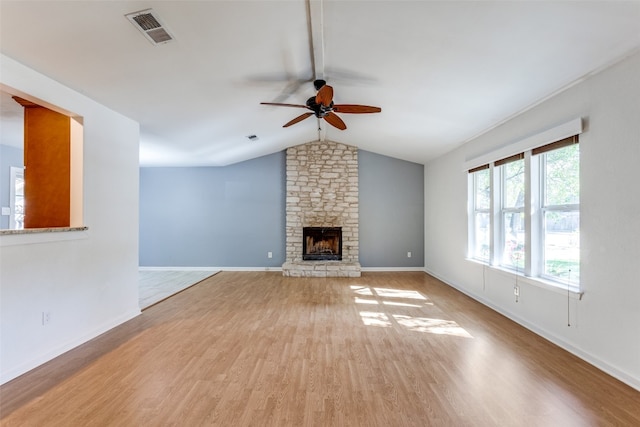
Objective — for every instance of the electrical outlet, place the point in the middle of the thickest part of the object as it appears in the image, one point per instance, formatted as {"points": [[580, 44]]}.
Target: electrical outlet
{"points": [[46, 317], [269, 254], [408, 254], [516, 290]]}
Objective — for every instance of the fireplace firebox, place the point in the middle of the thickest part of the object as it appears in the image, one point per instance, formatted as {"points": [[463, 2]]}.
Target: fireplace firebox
{"points": [[322, 243]]}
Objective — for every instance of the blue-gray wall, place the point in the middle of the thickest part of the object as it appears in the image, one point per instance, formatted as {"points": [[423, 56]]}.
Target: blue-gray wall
{"points": [[214, 216], [232, 216], [391, 211], [9, 156]]}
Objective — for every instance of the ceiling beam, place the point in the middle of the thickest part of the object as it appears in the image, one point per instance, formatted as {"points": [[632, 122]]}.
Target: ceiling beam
{"points": [[316, 36], [315, 18]]}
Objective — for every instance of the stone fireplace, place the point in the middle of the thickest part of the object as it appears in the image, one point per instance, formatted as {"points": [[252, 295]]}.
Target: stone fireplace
{"points": [[322, 194]]}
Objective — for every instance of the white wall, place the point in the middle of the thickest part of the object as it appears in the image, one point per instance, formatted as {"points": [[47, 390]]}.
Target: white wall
{"points": [[87, 280], [605, 324]]}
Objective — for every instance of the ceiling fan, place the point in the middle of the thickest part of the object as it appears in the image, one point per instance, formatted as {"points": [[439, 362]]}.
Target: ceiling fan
{"points": [[322, 107]]}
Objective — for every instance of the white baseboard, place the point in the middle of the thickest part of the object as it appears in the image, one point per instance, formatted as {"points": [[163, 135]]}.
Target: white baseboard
{"points": [[584, 355], [33, 363], [371, 269], [179, 268], [215, 269]]}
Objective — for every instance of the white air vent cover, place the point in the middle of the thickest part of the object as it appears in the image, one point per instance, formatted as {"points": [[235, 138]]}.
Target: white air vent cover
{"points": [[149, 24]]}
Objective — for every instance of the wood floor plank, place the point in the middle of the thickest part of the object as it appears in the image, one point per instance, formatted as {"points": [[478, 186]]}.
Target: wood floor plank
{"points": [[259, 349]]}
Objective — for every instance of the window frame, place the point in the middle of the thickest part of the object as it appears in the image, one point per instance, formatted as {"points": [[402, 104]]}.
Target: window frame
{"points": [[544, 208], [504, 210], [475, 210], [15, 174], [534, 211]]}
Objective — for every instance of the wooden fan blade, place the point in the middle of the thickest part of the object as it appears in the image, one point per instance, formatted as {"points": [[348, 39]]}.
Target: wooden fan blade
{"points": [[298, 119], [278, 104], [335, 121], [355, 109], [325, 96]]}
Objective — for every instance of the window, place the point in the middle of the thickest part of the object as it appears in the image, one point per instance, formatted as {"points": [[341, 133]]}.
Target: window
{"points": [[532, 201], [512, 212], [560, 207], [481, 220], [16, 193]]}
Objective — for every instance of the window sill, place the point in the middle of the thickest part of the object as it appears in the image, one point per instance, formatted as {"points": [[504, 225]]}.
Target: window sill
{"points": [[533, 281], [41, 235]]}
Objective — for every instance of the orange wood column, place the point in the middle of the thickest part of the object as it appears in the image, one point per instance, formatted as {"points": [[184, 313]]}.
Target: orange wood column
{"points": [[47, 175]]}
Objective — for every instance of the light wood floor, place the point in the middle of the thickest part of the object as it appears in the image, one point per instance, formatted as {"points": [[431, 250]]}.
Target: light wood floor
{"points": [[259, 349]]}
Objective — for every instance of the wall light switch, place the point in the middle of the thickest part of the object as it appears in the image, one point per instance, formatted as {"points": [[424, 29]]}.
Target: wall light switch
{"points": [[408, 254], [269, 254], [6, 211]]}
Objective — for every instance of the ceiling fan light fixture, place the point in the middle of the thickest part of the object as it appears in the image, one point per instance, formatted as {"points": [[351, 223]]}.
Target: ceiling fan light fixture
{"points": [[150, 25]]}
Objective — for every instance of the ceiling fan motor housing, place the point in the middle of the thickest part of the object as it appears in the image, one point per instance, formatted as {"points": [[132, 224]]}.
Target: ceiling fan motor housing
{"points": [[318, 109], [319, 83]]}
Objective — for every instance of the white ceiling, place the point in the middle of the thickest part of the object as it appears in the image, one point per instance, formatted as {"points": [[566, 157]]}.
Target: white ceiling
{"points": [[442, 71]]}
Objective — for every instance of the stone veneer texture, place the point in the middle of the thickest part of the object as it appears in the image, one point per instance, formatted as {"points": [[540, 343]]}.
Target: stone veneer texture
{"points": [[322, 191]]}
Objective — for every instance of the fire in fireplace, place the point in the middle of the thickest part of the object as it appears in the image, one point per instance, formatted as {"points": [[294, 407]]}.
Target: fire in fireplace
{"points": [[322, 243]]}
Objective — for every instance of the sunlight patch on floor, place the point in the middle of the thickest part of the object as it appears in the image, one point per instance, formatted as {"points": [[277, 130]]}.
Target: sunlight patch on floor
{"points": [[399, 293], [402, 304], [389, 293], [432, 326], [375, 319], [362, 290], [389, 298], [415, 324], [366, 301]]}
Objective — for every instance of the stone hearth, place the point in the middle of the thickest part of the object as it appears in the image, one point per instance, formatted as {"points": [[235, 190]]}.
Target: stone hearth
{"points": [[322, 191]]}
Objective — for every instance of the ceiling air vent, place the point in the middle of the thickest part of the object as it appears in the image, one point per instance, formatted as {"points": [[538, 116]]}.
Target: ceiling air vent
{"points": [[149, 24]]}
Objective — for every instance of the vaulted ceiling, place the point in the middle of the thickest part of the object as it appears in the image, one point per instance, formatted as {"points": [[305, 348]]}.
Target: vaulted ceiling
{"points": [[442, 71]]}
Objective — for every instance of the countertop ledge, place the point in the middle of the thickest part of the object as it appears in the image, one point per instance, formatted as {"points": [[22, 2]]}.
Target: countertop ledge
{"points": [[42, 230]]}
